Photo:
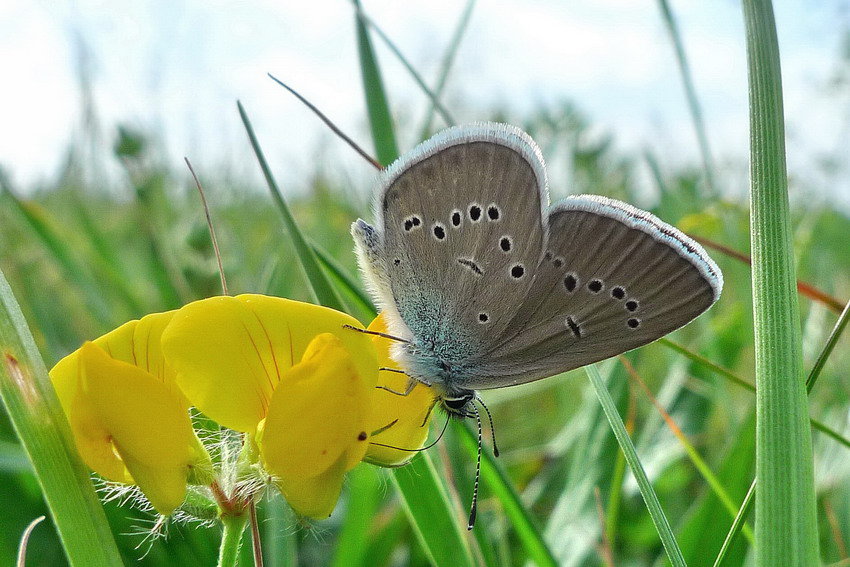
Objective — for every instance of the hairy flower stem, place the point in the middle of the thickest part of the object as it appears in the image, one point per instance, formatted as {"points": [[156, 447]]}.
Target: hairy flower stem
{"points": [[231, 539]]}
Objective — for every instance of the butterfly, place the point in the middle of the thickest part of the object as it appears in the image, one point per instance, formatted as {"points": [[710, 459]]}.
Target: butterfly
{"points": [[484, 285], [490, 287]]}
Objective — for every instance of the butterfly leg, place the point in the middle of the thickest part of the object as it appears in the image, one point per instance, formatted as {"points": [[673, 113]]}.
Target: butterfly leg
{"points": [[411, 383]]}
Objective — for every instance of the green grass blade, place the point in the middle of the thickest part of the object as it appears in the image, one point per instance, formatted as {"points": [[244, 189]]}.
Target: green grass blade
{"points": [[364, 497], [432, 96], [446, 65], [743, 512], [61, 252], [495, 478], [431, 513], [662, 525], [786, 519], [732, 377], [40, 424], [344, 281], [839, 327], [380, 119], [322, 289], [691, 95]]}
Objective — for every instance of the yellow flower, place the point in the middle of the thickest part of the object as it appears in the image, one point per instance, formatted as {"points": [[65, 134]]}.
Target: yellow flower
{"points": [[129, 420], [288, 373], [397, 422]]}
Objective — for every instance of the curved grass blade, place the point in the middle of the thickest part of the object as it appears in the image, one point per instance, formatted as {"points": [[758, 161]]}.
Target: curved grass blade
{"points": [[40, 424], [321, 287], [732, 377], [691, 95], [380, 119], [786, 516], [696, 459], [431, 513], [61, 253], [662, 525], [344, 280], [494, 477], [432, 96], [446, 65]]}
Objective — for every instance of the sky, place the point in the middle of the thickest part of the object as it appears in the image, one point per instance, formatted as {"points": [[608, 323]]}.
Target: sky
{"points": [[175, 69]]}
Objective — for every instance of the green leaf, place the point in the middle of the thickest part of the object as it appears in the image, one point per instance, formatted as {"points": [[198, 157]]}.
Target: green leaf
{"points": [[499, 484], [322, 289], [431, 513], [662, 525], [380, 119], [41, 426], [786, 519]]}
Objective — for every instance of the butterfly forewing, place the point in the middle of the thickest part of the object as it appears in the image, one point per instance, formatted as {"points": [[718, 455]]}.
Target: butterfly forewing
{"points": [[612, 278], [463, 232]]}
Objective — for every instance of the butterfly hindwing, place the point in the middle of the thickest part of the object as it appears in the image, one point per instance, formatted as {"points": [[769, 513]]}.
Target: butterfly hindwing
{"points": [[612, 278]]}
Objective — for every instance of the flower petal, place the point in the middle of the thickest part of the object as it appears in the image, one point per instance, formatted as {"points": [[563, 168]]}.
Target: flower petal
{"points": [[314, 497], [317, 414], [134, 415], [401, 422], [230, 352], [135, 342]]}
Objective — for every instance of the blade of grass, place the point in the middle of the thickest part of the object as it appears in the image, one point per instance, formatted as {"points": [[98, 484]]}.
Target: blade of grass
{"points": [[364, 489], [810, 382], [786, 517], [817, 424], [345, 281], [40, 424], [691, 95], [446, 65], [495, 478], [60, 250], [831, 341], [321, 287], [432, 96], [380, 119], [662, 525], [737, 524], [431, 514], [697, 460], [804, 288]]}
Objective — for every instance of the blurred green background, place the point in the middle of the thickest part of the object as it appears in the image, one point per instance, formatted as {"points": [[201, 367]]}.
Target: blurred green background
{"points": [[83, 257]]}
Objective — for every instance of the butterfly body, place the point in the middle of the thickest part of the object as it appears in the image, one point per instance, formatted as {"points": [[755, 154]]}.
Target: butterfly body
{"points": [[490, 287]]}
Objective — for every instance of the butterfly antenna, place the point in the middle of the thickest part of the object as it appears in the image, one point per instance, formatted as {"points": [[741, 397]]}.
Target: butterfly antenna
{"points": [[473, 511], [425, 448], [492, 427], [329, 123]]}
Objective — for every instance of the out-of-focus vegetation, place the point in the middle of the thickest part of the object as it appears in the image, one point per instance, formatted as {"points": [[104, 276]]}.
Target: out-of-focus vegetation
{"points": [[83, 258]]}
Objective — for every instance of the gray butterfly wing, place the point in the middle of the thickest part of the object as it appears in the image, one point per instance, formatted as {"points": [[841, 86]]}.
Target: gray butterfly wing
{"points": [[461, 229], [613, 278]]}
